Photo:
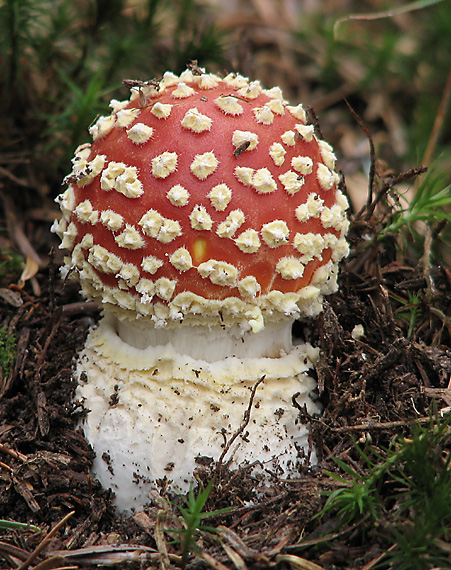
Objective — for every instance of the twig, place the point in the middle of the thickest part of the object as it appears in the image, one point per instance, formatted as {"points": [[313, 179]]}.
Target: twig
{"points": [[409, 7], [16, 232], [443, 393], [13, 453], [24, 491], [416, 171], [44, 542], [52, 271], [313, 118], [425, 261], [446, 321], [238, 543], [298, 563], [165, 563], [235, 557], [110, 555], [372, 172], [328, 537], [6, 467], [438, 122], [83, 307], [15, 179], [19, 553], [48, 335], [380, 425], [216, 564], [375, 561], [246, 419]]}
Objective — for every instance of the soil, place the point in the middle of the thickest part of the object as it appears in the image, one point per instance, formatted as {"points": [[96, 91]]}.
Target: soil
{"points": [[372, 387]]}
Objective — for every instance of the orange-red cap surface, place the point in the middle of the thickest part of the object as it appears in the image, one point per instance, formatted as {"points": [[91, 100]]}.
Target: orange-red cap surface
{"points": [[204, 199]]}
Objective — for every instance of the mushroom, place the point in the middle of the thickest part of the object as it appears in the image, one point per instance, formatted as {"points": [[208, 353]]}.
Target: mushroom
{"points": [[205, 217]]}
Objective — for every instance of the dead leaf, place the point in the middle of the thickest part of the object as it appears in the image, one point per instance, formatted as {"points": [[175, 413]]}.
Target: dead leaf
{"points": [[297, 562], [30, 270], [11, 297]]}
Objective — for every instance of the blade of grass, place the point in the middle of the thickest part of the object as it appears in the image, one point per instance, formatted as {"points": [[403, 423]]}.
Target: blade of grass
{"points": [[411, 7], [438, 122], [13, 525]]}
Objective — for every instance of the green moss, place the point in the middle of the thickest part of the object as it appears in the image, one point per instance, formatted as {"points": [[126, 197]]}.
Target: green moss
{"points": [[10, 267], [7, 350]]}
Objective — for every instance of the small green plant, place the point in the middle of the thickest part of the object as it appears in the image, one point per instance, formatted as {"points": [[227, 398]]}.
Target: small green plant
{"points": [[7, 351], [407, 491], [359, 495], [410, 311], [11, 266], [430, 204], [356, 497], [193, 516], [421, 528]]}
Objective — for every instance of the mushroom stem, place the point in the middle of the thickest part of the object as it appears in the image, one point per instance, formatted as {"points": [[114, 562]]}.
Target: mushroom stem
{"points": [[208, 343], [154, 410]]}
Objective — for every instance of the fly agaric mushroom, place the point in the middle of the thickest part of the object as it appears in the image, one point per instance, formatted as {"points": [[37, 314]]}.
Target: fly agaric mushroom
{"points": [[205, 218]]}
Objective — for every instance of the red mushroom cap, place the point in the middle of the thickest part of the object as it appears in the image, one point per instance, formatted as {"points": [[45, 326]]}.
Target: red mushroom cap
{"points": [[204, 199]]}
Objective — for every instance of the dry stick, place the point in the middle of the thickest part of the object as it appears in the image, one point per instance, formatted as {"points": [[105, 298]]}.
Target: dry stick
{"points": [[438, 123], [416, 171], [216, 564], [307, 543], [10, 175], [446, 321], [425, 261], [19, 553], [13, 453], [6, 467], [15, 231], [237, 542], [48, 335], [84, 307], [44, 542], [313, 119], [443, 393], [370, 203], [410, 7], [297, 562], [52, 271], [375, 561], [165, 562], [380, 425], [246, 418], [108, 555], [235, 557], [372, 157]]}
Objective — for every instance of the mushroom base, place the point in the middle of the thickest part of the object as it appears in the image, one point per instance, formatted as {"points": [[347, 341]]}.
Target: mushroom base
{"points": [[156, 413]]}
